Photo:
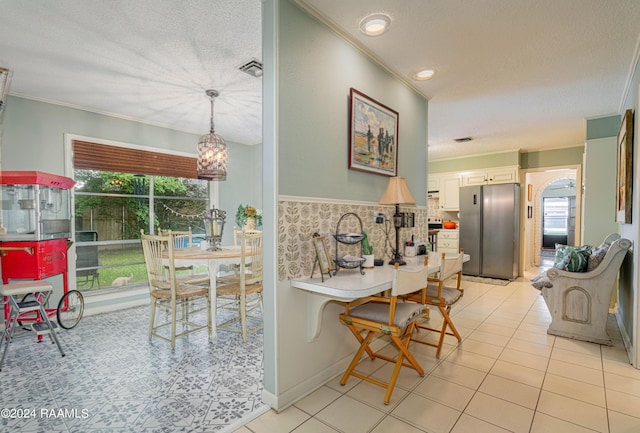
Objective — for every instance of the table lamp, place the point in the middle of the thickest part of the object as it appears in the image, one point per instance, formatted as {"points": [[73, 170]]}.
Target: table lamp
{"points": [[397, 193]]}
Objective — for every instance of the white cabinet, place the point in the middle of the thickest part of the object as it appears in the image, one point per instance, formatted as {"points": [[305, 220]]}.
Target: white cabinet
{"points": [[450, 192], [504, 175], [474, 179], [448, 241], [448, 184], [490, 176]]}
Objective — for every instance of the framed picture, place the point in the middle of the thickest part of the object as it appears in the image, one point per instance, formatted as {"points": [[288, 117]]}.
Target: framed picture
{"points": [[373, 136], [624, 183], [323, 256], [529, 212]]}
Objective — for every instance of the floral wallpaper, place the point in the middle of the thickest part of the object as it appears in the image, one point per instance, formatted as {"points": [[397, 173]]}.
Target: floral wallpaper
{"points": [[299, 219]]}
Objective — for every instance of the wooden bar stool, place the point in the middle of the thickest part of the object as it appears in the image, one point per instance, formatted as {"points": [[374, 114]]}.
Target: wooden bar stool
{"points": [[14, 292]]}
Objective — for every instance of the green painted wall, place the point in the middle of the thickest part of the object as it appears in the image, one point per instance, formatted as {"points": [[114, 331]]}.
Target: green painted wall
{"points": [[316, 70], [552, 158], [33, 139], [603, 127], [629, 291], [537, 159], [599, 195], [475, 162]]}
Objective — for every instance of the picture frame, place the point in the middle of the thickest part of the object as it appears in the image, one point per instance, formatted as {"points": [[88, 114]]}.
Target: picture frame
{"points": [[323, 256], [624, 178], [373, 135], [529, 212]]}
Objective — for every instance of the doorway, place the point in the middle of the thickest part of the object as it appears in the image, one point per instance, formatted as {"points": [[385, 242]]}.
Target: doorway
{"points": [[553, 199], [559, 213]]}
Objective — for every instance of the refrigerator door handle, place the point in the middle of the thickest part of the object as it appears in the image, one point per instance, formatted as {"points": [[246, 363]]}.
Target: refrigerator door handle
{"points": [[475, 199]]}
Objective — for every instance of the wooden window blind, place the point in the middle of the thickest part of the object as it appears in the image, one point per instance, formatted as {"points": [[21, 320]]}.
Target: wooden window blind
{"points": [[94, 156]]}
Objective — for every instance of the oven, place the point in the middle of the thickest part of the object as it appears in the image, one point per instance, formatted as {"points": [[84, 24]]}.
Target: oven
{"points": [[434, 225]]}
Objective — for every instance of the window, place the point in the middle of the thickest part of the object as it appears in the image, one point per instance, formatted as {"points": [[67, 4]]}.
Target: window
{"points": [[121, 190], [110, 210], [555, 216]]}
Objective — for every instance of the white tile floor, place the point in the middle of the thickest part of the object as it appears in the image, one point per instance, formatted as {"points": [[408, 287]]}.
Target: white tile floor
{"points": [[507, 375]]}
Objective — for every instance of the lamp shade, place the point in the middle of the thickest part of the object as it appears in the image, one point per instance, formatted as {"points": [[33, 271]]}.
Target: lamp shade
{"points": [[397, 192]]}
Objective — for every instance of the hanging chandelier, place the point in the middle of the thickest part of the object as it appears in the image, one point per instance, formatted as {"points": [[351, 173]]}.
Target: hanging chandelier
{"points": [[5, 80], [212, 151]]}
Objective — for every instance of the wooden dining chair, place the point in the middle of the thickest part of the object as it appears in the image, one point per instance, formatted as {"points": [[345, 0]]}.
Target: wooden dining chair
{"points": [[237, 233], [186, 273], [181, 238], [443, 296], [243, 288], [170, 293], [387, 317]]}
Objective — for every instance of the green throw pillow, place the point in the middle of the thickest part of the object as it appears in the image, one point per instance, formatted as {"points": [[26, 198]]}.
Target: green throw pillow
{"points": [[572, 259]]}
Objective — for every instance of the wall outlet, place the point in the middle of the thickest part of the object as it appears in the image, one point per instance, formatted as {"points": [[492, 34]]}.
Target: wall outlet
{"points": [[378, 217]]}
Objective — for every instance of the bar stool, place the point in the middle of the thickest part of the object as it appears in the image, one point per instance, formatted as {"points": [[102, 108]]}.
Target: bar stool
{"points": [[16, 291]]}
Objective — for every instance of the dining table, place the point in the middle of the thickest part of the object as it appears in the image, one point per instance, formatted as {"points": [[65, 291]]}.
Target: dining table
{"points": [[348, 285], [227, 254]]}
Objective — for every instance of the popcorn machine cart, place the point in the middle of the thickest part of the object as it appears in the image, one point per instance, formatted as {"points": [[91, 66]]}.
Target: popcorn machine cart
{"points": [[35, 233]]}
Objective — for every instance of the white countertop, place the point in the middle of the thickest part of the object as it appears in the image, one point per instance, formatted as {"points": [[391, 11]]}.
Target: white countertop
{"points": [[348, 285]]}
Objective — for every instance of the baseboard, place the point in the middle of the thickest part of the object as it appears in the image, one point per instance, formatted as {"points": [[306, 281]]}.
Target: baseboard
{"points": [[282, 401], [625, 338], [108, 301]]}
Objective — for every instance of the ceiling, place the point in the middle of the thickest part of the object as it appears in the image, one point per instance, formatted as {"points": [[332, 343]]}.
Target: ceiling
{"points": [[515, 74]]}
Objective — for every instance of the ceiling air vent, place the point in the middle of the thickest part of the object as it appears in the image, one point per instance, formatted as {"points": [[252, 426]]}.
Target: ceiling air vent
{"points": [[253, 67], [463, 139]]}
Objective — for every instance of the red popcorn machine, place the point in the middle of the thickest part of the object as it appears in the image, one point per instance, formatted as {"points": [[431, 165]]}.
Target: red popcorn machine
{"points": [[35, 225]]}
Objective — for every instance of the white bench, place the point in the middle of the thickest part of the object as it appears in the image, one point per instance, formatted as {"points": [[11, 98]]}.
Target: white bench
{"points": [[579, 301]]}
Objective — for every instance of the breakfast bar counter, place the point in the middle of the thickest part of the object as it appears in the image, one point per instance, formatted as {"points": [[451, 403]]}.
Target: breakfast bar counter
{"points": [[348, 285]]}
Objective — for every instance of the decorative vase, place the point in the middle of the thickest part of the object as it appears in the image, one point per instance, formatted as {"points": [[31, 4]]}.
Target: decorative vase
{"points": [[250, 224], [368, 261]]}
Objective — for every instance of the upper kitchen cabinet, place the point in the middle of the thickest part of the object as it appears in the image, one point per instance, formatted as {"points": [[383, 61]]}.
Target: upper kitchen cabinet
{"points": [[491, 176], [448, 184], [450, 192]]}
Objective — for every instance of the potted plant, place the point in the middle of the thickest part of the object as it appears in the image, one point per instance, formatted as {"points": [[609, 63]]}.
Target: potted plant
{"points": [[367, 251], [248, 217]]}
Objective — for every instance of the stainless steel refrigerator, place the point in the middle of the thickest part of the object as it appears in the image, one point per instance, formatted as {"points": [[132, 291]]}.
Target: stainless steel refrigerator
{"points": [[490, 229]]}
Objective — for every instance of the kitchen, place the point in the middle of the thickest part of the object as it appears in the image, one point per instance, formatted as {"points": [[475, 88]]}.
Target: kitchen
{"points": [[455, 197]]}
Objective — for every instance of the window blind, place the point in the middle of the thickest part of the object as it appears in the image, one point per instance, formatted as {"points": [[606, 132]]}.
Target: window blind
{"points": [[94, 156]]}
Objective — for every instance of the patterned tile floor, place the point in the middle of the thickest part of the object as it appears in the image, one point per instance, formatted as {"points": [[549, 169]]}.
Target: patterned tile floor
{"points": [[113, 379]]}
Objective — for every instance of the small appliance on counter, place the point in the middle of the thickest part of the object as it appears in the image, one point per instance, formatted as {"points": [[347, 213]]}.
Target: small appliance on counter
{"points": [[434, 224]]}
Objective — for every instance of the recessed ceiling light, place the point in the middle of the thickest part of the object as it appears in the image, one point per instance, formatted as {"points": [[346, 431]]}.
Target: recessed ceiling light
{"points": [[375, 25], [423, 75]]}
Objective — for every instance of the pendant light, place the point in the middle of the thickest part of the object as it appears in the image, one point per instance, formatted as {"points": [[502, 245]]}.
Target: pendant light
{"points": [[5, 80], [212, 151]]}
